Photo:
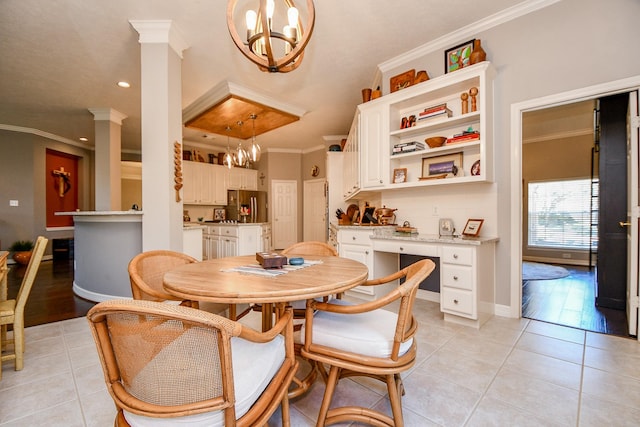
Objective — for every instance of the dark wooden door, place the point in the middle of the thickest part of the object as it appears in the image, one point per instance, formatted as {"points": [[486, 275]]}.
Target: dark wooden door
{"points": [[612, 245]]}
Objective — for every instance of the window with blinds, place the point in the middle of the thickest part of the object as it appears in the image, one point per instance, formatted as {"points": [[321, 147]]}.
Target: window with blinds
{"points": [[560, 214]]}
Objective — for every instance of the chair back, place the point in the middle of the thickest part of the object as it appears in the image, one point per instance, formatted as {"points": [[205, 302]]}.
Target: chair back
{"points": [[414, 274], [146, 273], [310, 248], [162, 360], [30, 274]]}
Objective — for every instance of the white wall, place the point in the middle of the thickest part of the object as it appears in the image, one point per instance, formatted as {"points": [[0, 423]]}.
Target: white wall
{"points": [[565, 46]]}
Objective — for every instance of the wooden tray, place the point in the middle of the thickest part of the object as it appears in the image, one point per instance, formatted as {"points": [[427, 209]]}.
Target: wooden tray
{"points": [[407, 230], [402, 81]]}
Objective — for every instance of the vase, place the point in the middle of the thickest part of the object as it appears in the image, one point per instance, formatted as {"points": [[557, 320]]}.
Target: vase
{"points": [[22, 257], [478, 54]]}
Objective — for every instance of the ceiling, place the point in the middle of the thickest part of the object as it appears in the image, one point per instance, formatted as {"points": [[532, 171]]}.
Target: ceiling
{"points": [[62, 57]]}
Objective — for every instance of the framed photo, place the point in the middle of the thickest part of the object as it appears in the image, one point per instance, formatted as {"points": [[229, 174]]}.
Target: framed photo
{"points": [[399, 175], [475, 168], [402, 81], [442, 166], [458, 56], [219, 214], [472, 228]]}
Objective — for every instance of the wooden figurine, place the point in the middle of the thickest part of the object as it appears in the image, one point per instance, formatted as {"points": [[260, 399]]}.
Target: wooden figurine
{"points": [[465, 105], [473, 92]]}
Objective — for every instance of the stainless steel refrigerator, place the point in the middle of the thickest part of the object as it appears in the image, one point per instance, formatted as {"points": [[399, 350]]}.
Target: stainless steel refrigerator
{"points": [[247, 206]]}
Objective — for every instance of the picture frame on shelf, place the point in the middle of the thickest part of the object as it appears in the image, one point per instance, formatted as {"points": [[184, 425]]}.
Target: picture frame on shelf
{"points": [[219, 214], [442, 166], [399, 175], [475, 168], [458, 57], [402, 80], [472, 227]]}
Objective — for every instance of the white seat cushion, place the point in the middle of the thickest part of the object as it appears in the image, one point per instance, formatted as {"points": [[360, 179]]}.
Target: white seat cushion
{"points": [[251, 375], [369, 334]]}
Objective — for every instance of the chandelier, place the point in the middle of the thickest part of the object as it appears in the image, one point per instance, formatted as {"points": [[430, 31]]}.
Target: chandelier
{"points": [[271, 50]]}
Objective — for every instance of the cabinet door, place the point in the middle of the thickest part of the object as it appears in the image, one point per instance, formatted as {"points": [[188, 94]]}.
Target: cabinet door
{"points": [[363, 254], [189, 178], [251, 179], [206, 183], [228, 246], [374, 124], [215, 247], [220, 185]]}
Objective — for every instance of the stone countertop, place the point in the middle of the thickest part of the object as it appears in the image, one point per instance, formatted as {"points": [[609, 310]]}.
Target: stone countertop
{"points": [[225, 224], [432, 238], [99, 213]]}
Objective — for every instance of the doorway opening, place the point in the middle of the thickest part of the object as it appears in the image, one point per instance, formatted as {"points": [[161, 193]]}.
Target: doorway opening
{"points": [[583, 269]]}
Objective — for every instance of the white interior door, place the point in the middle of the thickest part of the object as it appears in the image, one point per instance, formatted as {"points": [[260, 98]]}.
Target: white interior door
{"points": [[284, 216], [314, 213], [633, 213]]}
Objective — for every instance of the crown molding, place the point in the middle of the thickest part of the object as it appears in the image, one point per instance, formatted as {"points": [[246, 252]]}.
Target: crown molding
{"points": [[159, 31], [47, 135], [466, 32]]}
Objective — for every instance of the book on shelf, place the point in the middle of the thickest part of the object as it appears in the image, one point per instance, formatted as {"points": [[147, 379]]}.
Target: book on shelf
{"points": [[433, 109], [444, 112], [464, 137], [406, 147]]}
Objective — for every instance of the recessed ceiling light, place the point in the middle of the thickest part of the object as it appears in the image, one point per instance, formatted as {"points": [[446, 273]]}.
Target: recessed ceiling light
{"points": [[83, 139], [124, 84]]}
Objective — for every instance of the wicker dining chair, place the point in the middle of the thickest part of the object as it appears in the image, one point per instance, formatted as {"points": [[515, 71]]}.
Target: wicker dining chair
{"points": [[12, 310], [365, 340], [167, 365]]}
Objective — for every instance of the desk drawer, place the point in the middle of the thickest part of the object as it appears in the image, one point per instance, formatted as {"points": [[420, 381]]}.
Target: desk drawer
{"points": [[457, 276], [457, 301], [404, 247], [457, 255], [354, 237]]}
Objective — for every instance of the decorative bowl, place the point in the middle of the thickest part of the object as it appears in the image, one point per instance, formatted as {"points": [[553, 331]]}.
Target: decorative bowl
{"points": [[436, 141]]}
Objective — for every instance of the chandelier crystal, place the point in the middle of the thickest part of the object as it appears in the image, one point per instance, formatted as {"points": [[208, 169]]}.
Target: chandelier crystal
{"points": [[269, 49]]}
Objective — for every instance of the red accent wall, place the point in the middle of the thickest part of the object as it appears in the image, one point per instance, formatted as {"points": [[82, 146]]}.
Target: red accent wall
{"points": [[69, 202]]}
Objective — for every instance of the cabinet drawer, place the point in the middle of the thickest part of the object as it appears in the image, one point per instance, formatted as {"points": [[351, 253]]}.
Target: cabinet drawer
{"points": [[457, 276], [213, 230], [229, 231], [403, 247], [354, 237], [457, 301], [457, 255]]}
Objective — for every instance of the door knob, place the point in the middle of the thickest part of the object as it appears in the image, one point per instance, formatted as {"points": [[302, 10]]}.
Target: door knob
{"points": [[624, 224]]}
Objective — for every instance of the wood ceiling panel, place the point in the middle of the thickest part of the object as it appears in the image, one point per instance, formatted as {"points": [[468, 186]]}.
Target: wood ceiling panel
{"points": [[234, 108]]}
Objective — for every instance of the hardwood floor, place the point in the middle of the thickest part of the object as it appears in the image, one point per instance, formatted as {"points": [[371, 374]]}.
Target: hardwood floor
{"points": [[570, 301], [52, 298]]}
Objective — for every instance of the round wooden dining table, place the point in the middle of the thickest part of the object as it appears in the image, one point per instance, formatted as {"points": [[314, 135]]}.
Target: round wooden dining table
{"points": [[234, 280]]}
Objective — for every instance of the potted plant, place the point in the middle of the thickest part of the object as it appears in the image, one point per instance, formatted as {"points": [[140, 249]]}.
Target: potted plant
{"points": [[22, 250]]}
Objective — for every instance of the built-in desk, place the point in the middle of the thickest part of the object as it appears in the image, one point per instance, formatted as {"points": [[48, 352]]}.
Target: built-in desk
{"points": [[467, 270]]}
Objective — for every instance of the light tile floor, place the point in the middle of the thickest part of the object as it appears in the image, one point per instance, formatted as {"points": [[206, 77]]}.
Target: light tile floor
{"points": [[510, 372]]}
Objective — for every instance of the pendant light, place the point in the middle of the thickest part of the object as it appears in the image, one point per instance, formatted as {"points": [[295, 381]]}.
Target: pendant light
{"points": [[228, 160], [241, 155], [254, 150]]}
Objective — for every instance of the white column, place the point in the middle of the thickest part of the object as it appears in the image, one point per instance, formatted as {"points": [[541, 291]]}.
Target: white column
{"points": [[161, 88], [108, 137]]}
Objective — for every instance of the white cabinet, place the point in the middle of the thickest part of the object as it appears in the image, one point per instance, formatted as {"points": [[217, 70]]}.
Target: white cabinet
{"points": [[370, 160], [356, 245], [351, 179], [204, 184], [192, 240], [447, 90], [466, 282], [374, 163], [221, 241], [266, 238], [242, 179]]}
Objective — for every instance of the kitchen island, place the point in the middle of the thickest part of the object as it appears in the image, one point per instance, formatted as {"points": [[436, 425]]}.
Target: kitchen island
{"points": [[105, 242]]}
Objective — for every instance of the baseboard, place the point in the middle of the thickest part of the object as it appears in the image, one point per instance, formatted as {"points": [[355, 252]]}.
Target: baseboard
{"points": [[504, 311], [428, 295]]}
